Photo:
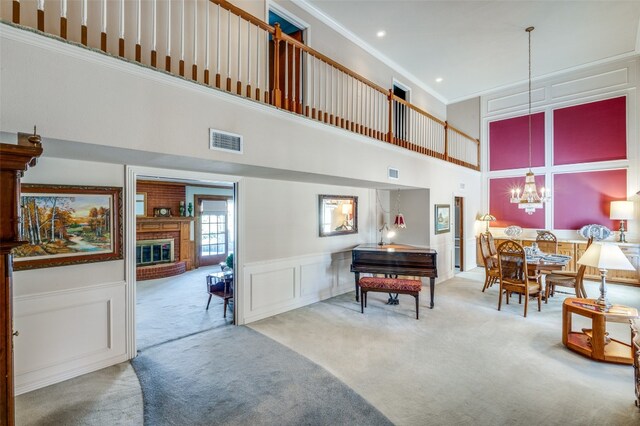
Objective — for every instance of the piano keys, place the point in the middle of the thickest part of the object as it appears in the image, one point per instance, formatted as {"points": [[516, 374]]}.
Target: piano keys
{"points": [[394, 259]]}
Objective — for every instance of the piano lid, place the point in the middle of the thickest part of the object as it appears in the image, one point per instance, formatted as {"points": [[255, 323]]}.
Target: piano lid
{"points": [[390, 248]]}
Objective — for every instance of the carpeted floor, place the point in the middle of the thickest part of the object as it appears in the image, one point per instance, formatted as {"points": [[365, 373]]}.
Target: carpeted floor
{"points": [[174, 307], [236, 376], [464, 362]]}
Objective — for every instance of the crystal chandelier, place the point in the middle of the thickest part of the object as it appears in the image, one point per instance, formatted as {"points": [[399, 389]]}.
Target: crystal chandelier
{"points": [[529, 200]]}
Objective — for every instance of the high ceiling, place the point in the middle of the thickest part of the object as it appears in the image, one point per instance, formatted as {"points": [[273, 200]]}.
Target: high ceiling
{"points": [[479, 46]]}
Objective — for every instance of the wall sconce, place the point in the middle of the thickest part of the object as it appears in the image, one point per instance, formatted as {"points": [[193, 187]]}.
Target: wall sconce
{"points": [[487, 218], [621, 210]]}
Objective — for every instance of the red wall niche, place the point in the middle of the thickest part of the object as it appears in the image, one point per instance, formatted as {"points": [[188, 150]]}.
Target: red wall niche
{"points": [[583, 198], [591, 132], [509, 214], [509, 142]]}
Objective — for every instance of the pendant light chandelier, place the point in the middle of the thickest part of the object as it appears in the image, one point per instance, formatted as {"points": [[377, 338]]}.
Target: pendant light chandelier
{"points": [[399, 220], [528, 199]]}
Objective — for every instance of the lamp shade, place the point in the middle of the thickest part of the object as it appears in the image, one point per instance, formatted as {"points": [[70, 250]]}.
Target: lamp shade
{"points": [[621, 210], [487, 217], [605, 256]]}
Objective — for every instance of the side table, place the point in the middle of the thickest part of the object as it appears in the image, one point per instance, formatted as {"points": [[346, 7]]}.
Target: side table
{"points": [[594, 343]]}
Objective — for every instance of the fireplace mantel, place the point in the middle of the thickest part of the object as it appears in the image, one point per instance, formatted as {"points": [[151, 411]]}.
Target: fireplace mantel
{"points": [[170, 224]]}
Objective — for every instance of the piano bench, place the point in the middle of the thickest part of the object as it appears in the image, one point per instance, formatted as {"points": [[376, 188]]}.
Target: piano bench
{"points": [[389, 285]]}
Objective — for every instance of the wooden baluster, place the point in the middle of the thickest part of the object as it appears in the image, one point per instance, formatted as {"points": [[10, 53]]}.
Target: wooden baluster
{"points": [[83, 22], [138, 52], [276, 96], [258, 32], [154, 32], [287, 76], [390, 121], [194, 65], [103, 33], [41, 15], [16, 11], [446, 141], [167, 59], [326, 92], [249, 59], [313, 84], [207, 30], [121, 39], [478, 154], [218, 49], [228, 51], [265, 68], [181, 62], [239, 83], [331, 97], [63, 19]]}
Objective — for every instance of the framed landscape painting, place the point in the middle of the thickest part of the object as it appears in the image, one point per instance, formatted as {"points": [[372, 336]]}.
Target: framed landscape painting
{"points": [[443, 218], [65, 225]]}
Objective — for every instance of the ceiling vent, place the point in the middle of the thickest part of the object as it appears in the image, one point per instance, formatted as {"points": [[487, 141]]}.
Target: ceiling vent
{"points": [[393, 173], [225, 141]]}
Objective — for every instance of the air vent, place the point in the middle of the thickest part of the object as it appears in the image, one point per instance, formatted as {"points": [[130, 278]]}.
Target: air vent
{"points": [[393, 173], [225, 141]]}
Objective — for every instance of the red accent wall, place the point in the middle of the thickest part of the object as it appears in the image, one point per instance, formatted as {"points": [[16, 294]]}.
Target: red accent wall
{"points": [[509, 142], [507, 213], [583, 198], [585, 133]]}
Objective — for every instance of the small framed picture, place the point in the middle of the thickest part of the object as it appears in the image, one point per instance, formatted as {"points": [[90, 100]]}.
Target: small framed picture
{"points": [[162, 212], [443, 218]]}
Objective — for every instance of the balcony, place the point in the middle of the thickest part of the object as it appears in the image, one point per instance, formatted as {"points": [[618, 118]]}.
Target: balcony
{"points": [[217, 44]]}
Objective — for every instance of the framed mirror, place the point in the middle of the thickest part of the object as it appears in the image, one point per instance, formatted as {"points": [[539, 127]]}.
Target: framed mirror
{"points": [[338, 215]]}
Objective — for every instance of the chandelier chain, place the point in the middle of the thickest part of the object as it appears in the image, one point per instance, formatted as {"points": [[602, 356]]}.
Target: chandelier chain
{"points": [[529, 32]]}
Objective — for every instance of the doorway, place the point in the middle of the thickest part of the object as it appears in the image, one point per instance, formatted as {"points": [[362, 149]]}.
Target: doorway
{"points": [[459, 235], [184, 289], [289, 63], [214, 229], [400, 121]]}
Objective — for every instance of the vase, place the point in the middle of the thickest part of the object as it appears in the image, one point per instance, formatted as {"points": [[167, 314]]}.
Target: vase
{"points": [[190, 209]]}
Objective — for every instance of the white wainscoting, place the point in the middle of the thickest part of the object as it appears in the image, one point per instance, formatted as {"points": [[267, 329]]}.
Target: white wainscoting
{"points": [[276, 286], [64, 334]]}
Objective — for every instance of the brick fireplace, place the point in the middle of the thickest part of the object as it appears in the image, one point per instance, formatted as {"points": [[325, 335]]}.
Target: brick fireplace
{"points": [[158, 234]]}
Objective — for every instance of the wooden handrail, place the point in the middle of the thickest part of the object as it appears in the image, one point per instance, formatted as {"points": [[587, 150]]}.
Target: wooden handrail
{"points": [[463, 134], [244, 15], [418, 110]]}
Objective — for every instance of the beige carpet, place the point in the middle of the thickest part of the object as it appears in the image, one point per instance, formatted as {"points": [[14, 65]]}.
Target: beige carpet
{"points": [[463, 362]]}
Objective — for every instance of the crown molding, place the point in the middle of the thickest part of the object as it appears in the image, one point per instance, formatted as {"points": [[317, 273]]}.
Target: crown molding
{"points": [[328, 20]]}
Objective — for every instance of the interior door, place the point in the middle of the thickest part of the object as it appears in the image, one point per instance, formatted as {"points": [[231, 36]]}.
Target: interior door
{"points": [[212, 236]]}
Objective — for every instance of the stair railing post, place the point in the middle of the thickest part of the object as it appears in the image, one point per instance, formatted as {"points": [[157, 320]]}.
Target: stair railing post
{"points": [[390, 132], [446, 141], [276, 98]]}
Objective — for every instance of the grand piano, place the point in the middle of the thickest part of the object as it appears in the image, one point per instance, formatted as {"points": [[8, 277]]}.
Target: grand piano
{"points": [[394, 259]]}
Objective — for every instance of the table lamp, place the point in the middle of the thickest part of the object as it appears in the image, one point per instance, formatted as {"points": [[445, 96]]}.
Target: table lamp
{"points": [[488, 218], [605, 256], [621, 210]]}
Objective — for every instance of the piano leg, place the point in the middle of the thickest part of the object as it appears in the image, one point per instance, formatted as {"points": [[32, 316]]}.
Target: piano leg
{"points": [[357, 274], [432, 286]]}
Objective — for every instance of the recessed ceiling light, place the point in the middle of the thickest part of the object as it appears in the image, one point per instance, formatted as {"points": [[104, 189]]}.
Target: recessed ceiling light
{"points": [[439, 80], [381, 33]]}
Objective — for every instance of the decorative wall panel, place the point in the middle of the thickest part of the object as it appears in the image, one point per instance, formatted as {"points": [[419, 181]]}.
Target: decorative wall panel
{"points": [[509, 142], [591, 132], [583, 198]]}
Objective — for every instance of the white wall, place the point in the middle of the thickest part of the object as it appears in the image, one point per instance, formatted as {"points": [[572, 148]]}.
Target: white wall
{"points": [[71, 319], [102, 108], [465, 116], [415, 207]]}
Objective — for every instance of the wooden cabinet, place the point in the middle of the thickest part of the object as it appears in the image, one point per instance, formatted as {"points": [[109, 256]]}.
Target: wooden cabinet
{"points": [[576, 249], [568, 249]]}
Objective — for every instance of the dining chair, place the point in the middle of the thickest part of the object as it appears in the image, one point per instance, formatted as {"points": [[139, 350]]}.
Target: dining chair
{"points": [[492, 273], [512, 264], [492, 245], [547, 242], [574, 280]]}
